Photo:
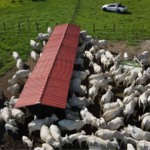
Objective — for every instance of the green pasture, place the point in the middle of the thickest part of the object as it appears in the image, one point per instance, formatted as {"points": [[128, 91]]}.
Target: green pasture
{"points": [[22, 20]]}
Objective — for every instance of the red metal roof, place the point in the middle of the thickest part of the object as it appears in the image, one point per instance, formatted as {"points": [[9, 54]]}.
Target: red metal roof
{"points": [[50, 80]]}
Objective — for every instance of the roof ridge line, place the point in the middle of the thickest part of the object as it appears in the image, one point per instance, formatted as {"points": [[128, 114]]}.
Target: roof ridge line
{"points": [[45, 85]]}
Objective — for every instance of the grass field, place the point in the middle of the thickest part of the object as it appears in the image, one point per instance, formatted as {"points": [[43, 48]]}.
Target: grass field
{"points": [[19, 20]]}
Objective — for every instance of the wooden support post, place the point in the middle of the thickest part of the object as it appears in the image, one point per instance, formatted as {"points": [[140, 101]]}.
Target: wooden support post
{"points": [[4, 26], [37, 26], [29, 25], [19, 26], [132, 29], [93, 27], [12, 24], [114, 27]]}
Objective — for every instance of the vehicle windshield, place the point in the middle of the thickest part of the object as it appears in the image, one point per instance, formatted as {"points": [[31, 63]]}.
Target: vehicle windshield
{"points": [[120, 5]]}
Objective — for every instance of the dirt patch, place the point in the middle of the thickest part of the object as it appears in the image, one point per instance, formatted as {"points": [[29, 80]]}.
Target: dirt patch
{"points": [[4, 79]]}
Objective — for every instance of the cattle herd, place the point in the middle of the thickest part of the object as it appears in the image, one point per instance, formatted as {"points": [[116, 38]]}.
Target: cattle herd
{"points": [[107, 106]]}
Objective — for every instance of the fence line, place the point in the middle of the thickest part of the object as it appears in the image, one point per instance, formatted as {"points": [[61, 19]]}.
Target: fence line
{"points": [[22, 26], [114, 31]]}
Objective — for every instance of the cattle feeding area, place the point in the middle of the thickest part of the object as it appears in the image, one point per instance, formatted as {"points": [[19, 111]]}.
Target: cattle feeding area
{"points": [[107, 106]]}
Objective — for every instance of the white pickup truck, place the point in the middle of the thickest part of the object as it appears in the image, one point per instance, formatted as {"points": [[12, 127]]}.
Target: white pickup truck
{"points": [[115, 7]]}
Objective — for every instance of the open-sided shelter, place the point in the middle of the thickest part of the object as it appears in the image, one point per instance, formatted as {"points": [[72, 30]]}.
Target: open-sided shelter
{"points": [[50, 79]]}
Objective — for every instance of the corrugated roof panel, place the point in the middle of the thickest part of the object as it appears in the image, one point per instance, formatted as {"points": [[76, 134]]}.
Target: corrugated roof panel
{"points": [[50, 80], [55, 94], [31, 90]]}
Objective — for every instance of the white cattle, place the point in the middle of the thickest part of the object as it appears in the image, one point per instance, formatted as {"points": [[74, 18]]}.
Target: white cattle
{"points": [[130, 97], [107, 134], [112, 105], [46, 146], [143, 145], [5, 114], [138, 133], [34, 56], [143, 79], [19, 64], [93, 91], [115, 124], [121, 77], [74, 136], [104, 61], [76, 87], [14, 129], [129, 109], [89, 118], [55, 132], [82, 138], [13, 80], [93, 49], [145, 124], [102, 144], [11, 103], [79, 61], [18, 115], [98, 76], [129, 79], [37, 123], [141, 88], [13, 90], [130, 147], [109, 56], [97, 68], [95, 85], [23, 73], [143, 55], [83, 33], [35, 45], [43, 36], [98, 55], [117, 72], [129, 90], [80, 74], [80, 49], [27, 141], [15, 55], [72, 115], [109, 115], [49, 30], [114, 67], [102, 43], [70, 125], [79, 102], [143, 99], [89, 55], [39, 148], [45, 135], [108, 96], [64, 140]]}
